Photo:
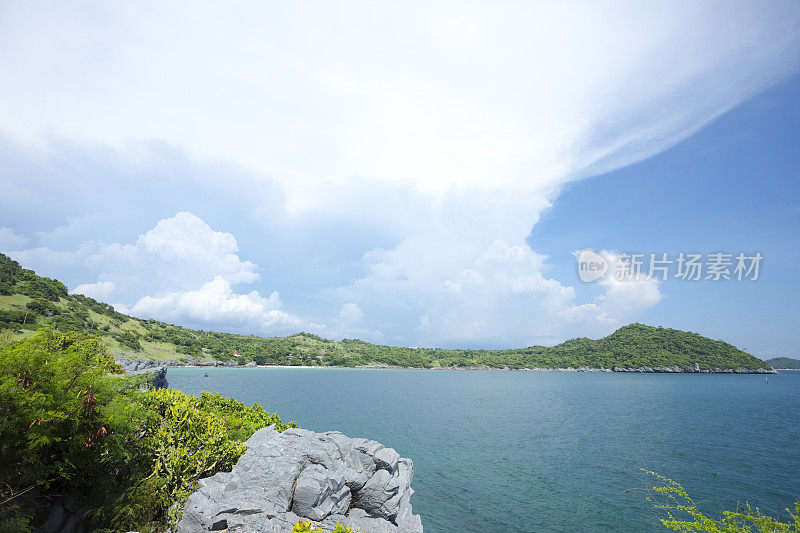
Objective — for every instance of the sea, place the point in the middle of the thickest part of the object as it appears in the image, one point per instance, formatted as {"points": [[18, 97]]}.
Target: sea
{"points": [[503, 452]]}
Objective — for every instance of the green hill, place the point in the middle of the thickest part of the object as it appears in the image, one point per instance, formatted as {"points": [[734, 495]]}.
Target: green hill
{"points": [[28, 301], [784, 362]]}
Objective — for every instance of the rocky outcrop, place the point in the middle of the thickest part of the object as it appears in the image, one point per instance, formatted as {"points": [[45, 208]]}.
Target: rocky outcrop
{"points": [[695, 368], [302, 475], [155, 370], [191, 361]]}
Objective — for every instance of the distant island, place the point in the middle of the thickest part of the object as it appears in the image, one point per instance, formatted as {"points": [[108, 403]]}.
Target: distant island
{"points": [[29, 301], [784, 363]]}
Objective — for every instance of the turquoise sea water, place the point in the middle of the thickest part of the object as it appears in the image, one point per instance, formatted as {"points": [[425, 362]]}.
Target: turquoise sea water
{"points": [[548, 451]]}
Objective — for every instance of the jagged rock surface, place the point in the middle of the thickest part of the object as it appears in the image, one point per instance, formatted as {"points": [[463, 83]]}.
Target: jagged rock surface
{"points": [[302, 475], [157, 371]]}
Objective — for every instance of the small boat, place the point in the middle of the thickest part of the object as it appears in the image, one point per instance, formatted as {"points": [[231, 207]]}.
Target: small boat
{"points": [[206, 375]]}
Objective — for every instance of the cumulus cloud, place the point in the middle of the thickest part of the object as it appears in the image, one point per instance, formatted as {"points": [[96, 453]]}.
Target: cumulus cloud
{"points": [[350, 313], [100, 291], [182, 271], [624, 298], [499, 296], [216, 304], [179, 251], [178, 255]]}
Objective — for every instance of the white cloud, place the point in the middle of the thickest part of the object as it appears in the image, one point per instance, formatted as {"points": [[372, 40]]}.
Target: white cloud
{"points": [[625, 298], [183, 249], [100, 291], [520, 95], [186, 237], [499, 296], [163, 269], [419, 142], [158, 276], [215, 304], [350, 312], [10, 240], [179, 254]]}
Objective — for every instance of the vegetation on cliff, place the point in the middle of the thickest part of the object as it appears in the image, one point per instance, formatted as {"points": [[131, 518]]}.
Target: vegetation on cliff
{"points": [[27, 301], [306, 527], [71, 426]]}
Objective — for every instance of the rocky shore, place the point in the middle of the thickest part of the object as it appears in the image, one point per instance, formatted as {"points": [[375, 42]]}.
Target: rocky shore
{"points": [[296, 475], [695, 369], [139, 365]]}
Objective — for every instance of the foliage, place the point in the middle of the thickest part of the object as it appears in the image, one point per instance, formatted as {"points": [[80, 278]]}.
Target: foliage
{"points": [[43, 307], [683, 514], [65, 425], [186, 438], [16, 315], [68, 425], [305, 527], [128, 339], [98, 307]]}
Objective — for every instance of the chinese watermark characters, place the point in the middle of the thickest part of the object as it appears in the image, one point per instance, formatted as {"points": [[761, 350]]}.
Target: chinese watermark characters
{"points": [[717, 266]]}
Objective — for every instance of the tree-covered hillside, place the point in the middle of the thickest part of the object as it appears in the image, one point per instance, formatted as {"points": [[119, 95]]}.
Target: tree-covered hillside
{"points": [[784, 362], [28, 301]]}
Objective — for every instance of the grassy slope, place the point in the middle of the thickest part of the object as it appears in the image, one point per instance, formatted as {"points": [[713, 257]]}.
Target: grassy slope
{"points": [[631, 346], [152, 350]]}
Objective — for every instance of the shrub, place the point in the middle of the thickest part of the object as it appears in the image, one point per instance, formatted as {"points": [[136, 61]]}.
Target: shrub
{"points": [[39, 287], [69, 426], [128, 340], [65, 426], [16, 315], [683, 514], [42, 307], [186, 438], [305, 527]]}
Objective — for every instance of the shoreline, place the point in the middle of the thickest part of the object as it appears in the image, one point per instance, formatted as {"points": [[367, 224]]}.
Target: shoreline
{"points": [[618, 370]]}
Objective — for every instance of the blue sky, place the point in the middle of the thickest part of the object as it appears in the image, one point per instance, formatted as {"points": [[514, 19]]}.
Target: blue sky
{"points": [[409, 174], [732, 187]]}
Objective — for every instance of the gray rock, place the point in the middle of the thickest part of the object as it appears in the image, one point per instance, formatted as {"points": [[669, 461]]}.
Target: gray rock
{"points": [[302, 475], [155, 370], [694, 368], [320, 493]]}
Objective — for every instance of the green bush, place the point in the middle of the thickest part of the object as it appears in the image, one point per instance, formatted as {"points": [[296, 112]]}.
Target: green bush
{"points": [[16, 315], [128, 340], [305, 527], [70, 426], [65, 424], [42, 307], [682, 513], [39, 287], [186, 438]]}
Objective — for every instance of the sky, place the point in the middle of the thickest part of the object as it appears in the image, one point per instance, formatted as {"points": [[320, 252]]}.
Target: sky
{"points": [[413, 173]]}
